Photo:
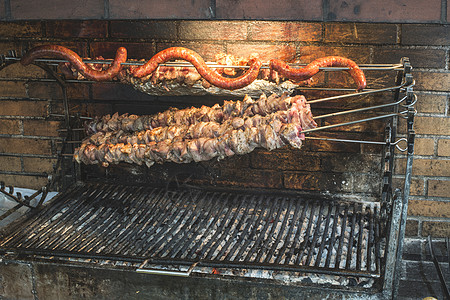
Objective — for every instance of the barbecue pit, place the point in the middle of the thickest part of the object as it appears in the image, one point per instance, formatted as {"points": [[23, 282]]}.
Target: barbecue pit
{"points": [[308, 243]]}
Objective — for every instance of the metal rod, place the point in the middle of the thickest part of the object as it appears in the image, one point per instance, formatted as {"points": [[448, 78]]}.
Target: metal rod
{"points": [[72, 129], [81, 117], [349, 123], [359, 109], [16, 198], [356, 94], [211, 64], [167, 272], [361, 141]]}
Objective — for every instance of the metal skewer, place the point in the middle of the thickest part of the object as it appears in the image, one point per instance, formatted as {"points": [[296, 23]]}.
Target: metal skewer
{"points": [[210, 64]]}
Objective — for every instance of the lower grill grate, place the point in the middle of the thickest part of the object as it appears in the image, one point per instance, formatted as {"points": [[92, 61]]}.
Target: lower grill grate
{"points": [[226, 229]]}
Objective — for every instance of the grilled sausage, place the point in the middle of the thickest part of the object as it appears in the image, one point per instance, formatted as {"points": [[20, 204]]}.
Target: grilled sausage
{"points": [[61, 52], [313, 68], [209, 75]]}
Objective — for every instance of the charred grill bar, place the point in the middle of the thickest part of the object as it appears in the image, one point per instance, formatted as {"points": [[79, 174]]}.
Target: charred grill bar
{"points": [[278, 236]]}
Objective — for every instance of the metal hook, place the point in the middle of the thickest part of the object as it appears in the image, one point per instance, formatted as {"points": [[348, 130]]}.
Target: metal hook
{"points": [[396, 143], [412, 103]]}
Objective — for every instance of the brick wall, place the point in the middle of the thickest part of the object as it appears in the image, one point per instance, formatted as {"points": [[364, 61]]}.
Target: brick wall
{"points": [[29, 139]]}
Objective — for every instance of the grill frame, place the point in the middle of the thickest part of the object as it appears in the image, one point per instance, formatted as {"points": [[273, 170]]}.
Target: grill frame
{"points": [[393, 205]]}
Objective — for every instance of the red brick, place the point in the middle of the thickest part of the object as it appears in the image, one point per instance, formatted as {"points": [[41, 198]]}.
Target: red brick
{"points": [[213, 30], [330, 146], [269, 10], [207, 51], [13, 89], [385, 11], [250, 178], [9, 126], [366, 127], [24, 181], [439, 188], [78, 91], [423, 146], [444, 147], [134, 50], [77, 29], [144, 29], [25, 146], [10, 164], [361, 33], [23, 72], [332, 182], [428, 208], [412, 228], [38, 165], [360, 54], [427, 35], [23, 108], [116, 91], [173, 9], [5, 46], [344, 162], [44, 90], [432, 81], [290, 160], [428, 167], [41, 127], [364, 183], [436, 229], [286, 31], [20, 29], [285, 52], [54, 9], [84, 109], [432, 125], [420, 58], [431, 103], [416, 186], [80, 48]]}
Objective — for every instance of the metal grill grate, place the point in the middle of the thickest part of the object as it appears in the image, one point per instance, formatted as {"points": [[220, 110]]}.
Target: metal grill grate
{"points": [[226, 229]]}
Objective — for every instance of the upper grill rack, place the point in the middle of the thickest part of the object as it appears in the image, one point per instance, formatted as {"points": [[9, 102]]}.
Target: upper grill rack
{"points": [[53, 61]]}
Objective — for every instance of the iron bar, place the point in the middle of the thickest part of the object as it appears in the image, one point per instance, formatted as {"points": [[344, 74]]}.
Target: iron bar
{"points": [[438, 269], [227, 222], [324, 236], [341, 239], [273, 222], [298, 232], [291, 227], [254, 226], [51, 61], [350, 240], [245, 235], [307, 235], [316, 234], [333, 235], [359, 109], [350, 122], [230, 233], [360, 240]]}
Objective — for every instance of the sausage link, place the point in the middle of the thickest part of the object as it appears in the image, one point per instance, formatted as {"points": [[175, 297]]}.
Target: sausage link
{"points": [[313, 68], [76, 61], [195, 59]]}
